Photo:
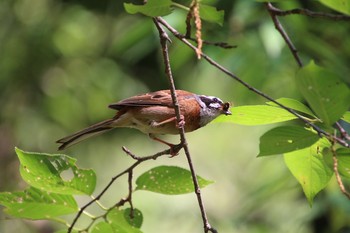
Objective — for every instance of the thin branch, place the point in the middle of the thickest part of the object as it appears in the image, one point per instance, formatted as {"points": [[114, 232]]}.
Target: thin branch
{"points": [[130, 177], [274, 12], [223, 45], [342, 131], [163, 40], [309, 13], [320, 131], [139, 160], [193, 12], [283, 33]]}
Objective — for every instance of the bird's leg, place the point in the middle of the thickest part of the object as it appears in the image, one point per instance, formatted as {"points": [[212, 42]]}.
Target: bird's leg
{"points": [[174, 149], [160, 140], [179, 124]]}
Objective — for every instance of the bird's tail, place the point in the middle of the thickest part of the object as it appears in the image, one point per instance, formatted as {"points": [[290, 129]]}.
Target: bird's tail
{"points": [[81, 135]]}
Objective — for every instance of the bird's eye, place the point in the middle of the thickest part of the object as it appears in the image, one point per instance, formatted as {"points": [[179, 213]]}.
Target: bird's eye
{"points": [[215, 100], [226, 106]]}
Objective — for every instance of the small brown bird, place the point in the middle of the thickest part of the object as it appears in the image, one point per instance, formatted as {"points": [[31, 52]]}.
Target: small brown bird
{"points": [[153, 113]]}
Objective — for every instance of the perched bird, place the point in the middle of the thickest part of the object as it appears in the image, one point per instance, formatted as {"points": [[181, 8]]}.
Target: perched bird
{"points": [[153, 113]]}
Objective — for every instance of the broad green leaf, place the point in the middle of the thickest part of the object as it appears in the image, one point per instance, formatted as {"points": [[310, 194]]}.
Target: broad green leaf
{"points": [[211, 14], [327, 95], [55, 173], [338, 5], [137, 219], [119, 224], [309, 168], [152, 8], [36, 204], [346, 117], [256, 115], [343, 156], [286, 139], [293, 104], [170, 180], [102, 227]]}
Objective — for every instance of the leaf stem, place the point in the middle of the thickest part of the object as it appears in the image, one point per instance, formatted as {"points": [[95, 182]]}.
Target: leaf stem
{"points": [[60, 220], [180, 6], [99, 203]]}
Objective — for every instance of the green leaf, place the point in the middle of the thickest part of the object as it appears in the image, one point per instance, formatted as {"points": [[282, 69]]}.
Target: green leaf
{"points": [[211, 14], [293, 104], [170, 180], [346, 117], [152, 8], [55, 173], [137, 219], [343, 156], [327, 95], [285, 139], [102, 227], [118, 222], [36, 204], [256, 115], [338, 5], [309, 168]]}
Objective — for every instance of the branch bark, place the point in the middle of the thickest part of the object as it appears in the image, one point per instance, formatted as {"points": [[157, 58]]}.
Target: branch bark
{"points": [[164, 38]]}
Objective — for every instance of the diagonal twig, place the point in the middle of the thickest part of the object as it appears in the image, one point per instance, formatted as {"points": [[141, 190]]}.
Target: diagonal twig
{"points": [[283, 33], [342, 131], [310, 13], [274, 12], [320, 131]]}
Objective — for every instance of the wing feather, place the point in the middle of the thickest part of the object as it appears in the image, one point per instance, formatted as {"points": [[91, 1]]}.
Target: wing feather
{"points": [[157, 98]]}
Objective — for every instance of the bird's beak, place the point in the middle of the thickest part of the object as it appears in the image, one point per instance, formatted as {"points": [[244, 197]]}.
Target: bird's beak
{"points": [[226, 108], [227, 112]]}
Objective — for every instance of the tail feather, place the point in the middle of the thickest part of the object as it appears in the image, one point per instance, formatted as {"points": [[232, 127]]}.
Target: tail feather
{"points": [[81, 135]]}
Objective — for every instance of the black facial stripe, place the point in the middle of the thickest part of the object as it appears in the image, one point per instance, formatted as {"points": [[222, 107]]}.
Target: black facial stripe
{"points": [[209, 100]]}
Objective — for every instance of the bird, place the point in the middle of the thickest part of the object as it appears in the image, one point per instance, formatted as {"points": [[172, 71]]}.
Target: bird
{"points": [[153, 113]]}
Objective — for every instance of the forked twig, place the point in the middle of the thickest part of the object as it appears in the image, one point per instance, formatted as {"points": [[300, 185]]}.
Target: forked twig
{"points": [[283, 33], [309, 13], [128, 171], [274, 12]]}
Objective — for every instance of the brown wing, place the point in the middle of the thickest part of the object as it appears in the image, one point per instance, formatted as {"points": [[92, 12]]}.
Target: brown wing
{"points": [[157, 98]]}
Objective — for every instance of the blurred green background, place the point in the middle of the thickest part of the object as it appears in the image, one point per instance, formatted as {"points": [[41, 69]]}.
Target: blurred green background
{"points": [[63, 62]]}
